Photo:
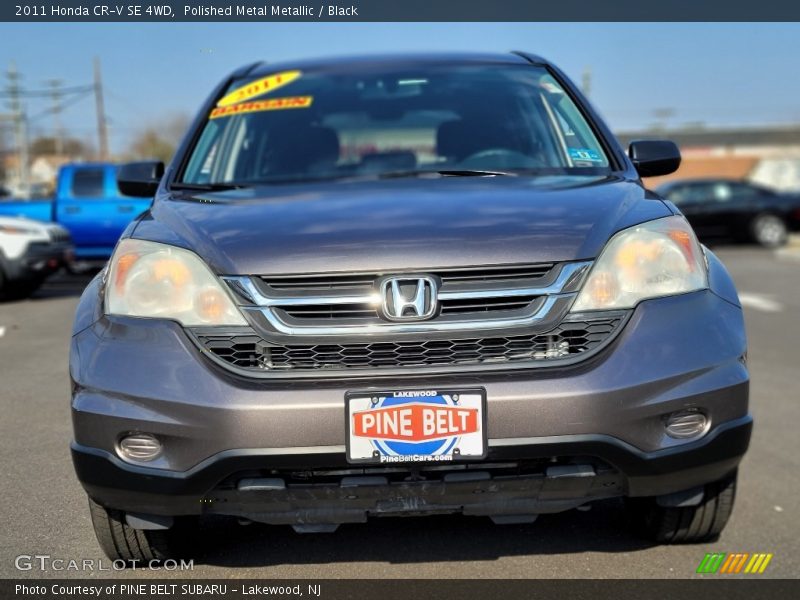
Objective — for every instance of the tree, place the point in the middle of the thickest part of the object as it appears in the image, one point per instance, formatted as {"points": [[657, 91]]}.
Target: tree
{"points": [[46, 145], [158, 141]]}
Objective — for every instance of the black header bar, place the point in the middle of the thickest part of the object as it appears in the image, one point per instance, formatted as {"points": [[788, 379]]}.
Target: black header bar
{"points": [[170, 588], [399, 10]]}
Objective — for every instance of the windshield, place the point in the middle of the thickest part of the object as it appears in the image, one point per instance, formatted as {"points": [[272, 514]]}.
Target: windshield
{"points": [[303, 126]]}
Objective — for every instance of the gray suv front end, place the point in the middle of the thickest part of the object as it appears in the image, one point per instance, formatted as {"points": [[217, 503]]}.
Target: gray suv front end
{"points": [[495, 344]]}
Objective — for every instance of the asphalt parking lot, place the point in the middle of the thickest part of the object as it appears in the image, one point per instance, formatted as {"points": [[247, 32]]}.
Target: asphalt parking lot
{"points": [[45, 513]]}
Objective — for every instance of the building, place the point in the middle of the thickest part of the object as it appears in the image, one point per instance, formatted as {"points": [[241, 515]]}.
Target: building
{"points": [[42, 172]]}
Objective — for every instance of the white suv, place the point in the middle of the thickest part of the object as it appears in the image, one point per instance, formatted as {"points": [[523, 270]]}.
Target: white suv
{"points": [[29, 252]]}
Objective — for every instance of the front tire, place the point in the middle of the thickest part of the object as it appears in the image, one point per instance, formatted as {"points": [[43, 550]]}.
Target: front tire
{"points": [[688, 524], [120, 541], [769, 230]]}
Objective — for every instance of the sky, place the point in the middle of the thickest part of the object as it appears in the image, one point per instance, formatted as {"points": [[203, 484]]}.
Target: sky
{"points": [[715, 73]]}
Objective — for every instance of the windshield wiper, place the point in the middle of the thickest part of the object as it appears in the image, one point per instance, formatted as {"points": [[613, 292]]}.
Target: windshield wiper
{"points": [[474, 173], [221, 187], [206, 187], [445, 173]]}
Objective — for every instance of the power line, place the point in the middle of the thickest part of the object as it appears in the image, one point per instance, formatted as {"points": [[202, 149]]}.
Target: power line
{"points": [[64, 105], [47, 93], [61, 98]]}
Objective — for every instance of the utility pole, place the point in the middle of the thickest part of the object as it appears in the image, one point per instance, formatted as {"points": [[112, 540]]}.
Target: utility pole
{"points": [[102, 132], [20, 125], [58, 131]]}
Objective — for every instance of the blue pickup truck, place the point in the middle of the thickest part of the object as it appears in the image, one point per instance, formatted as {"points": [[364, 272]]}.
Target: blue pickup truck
{"points": [[88, 204]]}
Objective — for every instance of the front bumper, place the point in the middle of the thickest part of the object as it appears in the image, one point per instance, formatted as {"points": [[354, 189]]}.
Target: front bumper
{"points": [[604, 415], [39, 260], [232, 483]]}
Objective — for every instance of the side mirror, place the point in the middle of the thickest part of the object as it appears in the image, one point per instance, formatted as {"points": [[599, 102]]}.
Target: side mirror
{"points": [[140, 179], [654, 157]]}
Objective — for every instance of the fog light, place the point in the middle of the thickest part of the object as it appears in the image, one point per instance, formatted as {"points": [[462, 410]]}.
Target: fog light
{"points": [[139, 447], [686, 424]]}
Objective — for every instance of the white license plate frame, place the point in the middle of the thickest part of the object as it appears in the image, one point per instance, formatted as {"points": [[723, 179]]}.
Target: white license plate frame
{"points": [[415, 426]]}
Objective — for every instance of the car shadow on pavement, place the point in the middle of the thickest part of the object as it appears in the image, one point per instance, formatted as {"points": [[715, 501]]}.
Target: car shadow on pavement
{"points": [[60, 285], [63, 285], [420, 539], [717, 244]]}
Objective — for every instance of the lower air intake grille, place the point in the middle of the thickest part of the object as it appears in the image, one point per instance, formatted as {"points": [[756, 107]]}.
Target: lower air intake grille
{"points": [[252, 353]]}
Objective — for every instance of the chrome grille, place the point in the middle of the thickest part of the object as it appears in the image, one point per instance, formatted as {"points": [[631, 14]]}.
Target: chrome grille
{"points": [[570, 338], [366, 310], [504, 297], [331, 311], [315, 283], [496, 274], [332, 281], [470, 305], [59, 235]]}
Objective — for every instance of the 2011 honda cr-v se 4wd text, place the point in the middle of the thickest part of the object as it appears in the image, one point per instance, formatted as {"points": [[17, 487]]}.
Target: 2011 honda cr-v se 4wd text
{"points": [[405, 285]]}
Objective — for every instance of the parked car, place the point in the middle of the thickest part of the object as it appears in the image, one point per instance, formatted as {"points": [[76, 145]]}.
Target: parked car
{"points": [[88, 204], [30, 251], [402, 286], [736, 209]]}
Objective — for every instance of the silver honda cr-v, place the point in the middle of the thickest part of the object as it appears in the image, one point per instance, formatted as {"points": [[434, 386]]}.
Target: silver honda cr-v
{"points": [[398, 286]]}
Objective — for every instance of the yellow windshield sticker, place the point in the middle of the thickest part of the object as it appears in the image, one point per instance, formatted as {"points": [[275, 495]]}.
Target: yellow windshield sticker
{"points": [[259, 87], [261, 105]]}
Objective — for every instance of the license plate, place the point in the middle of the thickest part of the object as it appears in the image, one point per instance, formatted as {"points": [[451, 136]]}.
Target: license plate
{"points": [[416, 426]]}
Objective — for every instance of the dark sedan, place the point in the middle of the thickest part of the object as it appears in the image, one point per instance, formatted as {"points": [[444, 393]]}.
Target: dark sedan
{"points": [[732, 208]]}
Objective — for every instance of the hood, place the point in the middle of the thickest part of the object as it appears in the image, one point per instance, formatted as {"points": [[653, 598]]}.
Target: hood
{"points": [[400, 224], [34, 227]]}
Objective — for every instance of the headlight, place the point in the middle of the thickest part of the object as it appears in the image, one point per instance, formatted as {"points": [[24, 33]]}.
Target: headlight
{"points": [[147, 279], [659, 258]]}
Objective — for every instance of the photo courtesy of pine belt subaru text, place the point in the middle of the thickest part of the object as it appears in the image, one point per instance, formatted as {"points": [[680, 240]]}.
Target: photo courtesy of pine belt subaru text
{"points": [[405, 285]]}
